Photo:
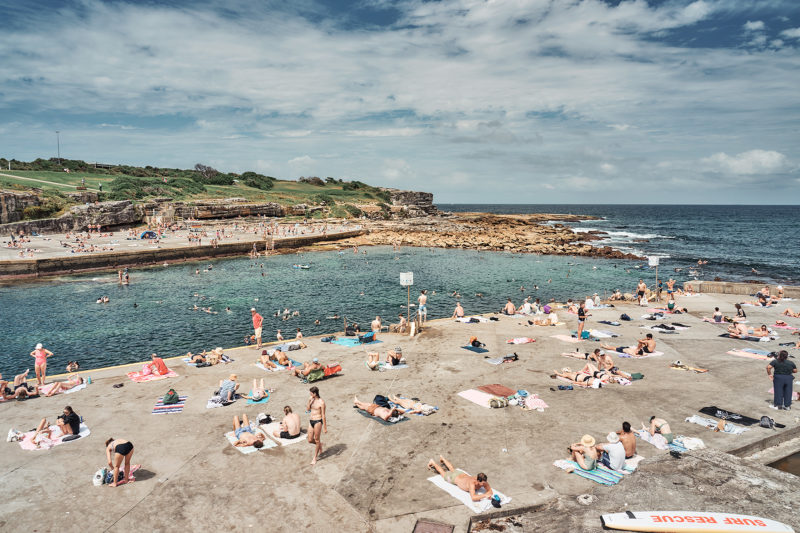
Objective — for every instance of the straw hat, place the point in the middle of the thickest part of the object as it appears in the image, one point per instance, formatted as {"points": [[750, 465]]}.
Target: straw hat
{"points": [[587, 440], [217, 350], [612, 438]]}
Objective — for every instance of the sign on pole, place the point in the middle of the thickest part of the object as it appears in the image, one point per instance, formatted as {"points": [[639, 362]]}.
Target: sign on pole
{"points": [[406, 279], [652, 260]]}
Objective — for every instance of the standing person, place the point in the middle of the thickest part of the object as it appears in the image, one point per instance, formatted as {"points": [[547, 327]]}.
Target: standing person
{"points": [[40, 356], [258, 321], [317, 421], [376, 325], [781, 380], [582, 314], [116, 451], [641, 289], [422, 310]]}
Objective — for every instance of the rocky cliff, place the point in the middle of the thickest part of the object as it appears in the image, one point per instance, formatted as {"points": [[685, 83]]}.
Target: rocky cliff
{"points": [[415, 203], [13, 203]]}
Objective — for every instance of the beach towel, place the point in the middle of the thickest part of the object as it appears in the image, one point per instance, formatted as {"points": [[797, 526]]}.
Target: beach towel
{"points": [[602, 334], [46, 443], [659, 441], [464, 497], [471, 319], [383, 365], [566, 338], [602, 474], [534, 402], [161, 409], [138, 377], [500, 360], [795, 394], [497, 390], [476, 349], [392, 420], [645, 356], [783, 326], [520, 340], [716, 412], [250, 401], [750, 338], [609, 322], [268, 430], [710, 423], [749, 355], [350, 342], [188, 361], [477, 397], [231, 436]]}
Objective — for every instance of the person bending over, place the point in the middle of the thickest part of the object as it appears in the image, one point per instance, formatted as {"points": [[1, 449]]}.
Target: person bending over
{"points": [[384, 413], [244, 434], [462, 480], [116, 451], [659, 425], [475, 343], [290, 425]]}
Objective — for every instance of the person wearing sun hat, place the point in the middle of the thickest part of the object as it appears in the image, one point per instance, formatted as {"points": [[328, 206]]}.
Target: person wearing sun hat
{"points": [[613, 452], [584, 453]]}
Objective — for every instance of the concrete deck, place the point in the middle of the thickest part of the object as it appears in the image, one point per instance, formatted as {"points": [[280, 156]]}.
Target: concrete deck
{"points": [[373, 477]]}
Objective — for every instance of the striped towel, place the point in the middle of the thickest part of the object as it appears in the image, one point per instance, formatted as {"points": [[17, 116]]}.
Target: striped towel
{"points": [[161, 409], [602, 474]]}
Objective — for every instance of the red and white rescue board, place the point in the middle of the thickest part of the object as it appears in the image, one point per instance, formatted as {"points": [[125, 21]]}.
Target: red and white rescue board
{"points": [[692, 521]]}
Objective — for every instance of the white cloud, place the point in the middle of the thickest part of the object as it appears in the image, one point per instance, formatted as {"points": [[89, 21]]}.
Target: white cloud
{"points": [[608, 168], [303, 161], [396, 170], [750, 162], [387, 132], [755, 25], [791, 33]]}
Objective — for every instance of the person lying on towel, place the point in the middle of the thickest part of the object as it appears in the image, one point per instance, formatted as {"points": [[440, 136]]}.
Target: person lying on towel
{"points": [[415, 406], [376, 410], [462, 480], [307, 368], [244, 434], [643, 346], [739, 330], [588, 376]]}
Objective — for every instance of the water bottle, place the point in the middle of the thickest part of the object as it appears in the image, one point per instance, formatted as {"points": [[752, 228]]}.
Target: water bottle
{"points": [[89, 380]]}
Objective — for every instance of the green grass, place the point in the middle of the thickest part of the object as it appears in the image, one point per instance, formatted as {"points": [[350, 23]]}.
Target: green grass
{"points": [[26, 185], [73, 178]]}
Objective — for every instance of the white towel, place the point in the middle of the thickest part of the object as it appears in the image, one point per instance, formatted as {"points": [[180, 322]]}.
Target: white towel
{"points": [[464, 497], [231, 436], [275, 426], [76, 388]]}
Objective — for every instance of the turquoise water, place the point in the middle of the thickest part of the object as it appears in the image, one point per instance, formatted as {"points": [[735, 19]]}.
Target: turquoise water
{"points": [[63, 315]]}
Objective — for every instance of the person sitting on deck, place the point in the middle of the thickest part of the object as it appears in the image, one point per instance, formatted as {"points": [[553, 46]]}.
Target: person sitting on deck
{"points": [[509, 308], [395, 357], [763, 331], [307, 368], [628, 440], [584, 453], [475, 343], [228, 388], [613, 453], [290, 425], [244, 435], [739, 330], [157, 366], [19, 389], [459, 311], [462, 480], [384, 413]]}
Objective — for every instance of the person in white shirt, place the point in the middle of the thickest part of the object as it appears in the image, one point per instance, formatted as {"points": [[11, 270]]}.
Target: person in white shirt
{"points": [[613, 452]]}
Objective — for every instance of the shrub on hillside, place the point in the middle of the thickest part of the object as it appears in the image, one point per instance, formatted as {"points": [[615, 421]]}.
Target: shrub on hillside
{"points": [[258, 181], [135, 188], [323, 199], [312, 180], [353, 211], [53, 202]]}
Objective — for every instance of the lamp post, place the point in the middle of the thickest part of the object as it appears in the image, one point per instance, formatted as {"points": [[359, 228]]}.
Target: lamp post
{"points": [[58, 142]]}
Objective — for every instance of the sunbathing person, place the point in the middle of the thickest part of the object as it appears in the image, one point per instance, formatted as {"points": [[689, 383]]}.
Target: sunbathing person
{"points": [[384, 413], [228, 388], [509, 308], [258, 392], [588, 376], [414, 406], [264, 359], [244, 435], [789, 312], [290, 425], [643, 346], [18, 389], [196, 357], [584, 453], [605, 362], [475, 343], [628, 440], [462, 480], [307, 368], [61, 386], [373, 360], [738, 330], [761, 332], [280, 357], [659, 425], [395, 357]]}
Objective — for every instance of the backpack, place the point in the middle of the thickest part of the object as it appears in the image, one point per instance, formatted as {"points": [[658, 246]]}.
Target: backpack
{"points": [[171, 397], [767, 422], [625, 317]]}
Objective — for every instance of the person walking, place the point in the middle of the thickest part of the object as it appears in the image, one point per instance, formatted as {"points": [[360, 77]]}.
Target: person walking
{"points": [[258, 321], [780, 370]]}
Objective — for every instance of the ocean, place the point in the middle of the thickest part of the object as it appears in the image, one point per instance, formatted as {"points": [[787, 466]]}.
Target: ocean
{"points": [[734, 239], [156, 312]]}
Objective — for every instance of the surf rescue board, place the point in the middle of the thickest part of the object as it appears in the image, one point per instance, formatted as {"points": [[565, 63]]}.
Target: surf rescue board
{"points": [[690, 521]]}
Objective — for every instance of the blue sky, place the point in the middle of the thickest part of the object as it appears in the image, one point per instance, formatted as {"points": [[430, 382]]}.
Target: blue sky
{"points": [[501, 101]]}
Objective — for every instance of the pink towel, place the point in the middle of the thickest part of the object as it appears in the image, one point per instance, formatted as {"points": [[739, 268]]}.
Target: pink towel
{"points": [[795, 394], [476, 396], [566, 338], [138, 377], [534, 402], [748, 355], [520, 340]]}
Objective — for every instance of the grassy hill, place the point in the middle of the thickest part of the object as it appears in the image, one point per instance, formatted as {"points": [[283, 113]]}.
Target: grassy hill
{"points": [[200, 183]]}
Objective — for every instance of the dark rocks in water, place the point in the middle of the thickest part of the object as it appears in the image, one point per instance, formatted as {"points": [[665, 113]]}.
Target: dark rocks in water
{"points": [[641, 240], [717, 278]]}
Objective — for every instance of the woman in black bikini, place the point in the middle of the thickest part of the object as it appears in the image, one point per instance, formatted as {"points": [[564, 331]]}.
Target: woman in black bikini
{"points": [[116, 451], [318, 423]]}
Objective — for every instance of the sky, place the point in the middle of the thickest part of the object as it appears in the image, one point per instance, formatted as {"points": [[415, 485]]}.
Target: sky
{"points": [[477, 101]]}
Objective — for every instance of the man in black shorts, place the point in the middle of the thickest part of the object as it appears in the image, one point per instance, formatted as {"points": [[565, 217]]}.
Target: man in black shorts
{"points": [[290, 425]]}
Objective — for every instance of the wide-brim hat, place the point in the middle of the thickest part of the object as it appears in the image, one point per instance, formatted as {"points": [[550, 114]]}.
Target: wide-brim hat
{"points": [[612, 437], [587, 440]]}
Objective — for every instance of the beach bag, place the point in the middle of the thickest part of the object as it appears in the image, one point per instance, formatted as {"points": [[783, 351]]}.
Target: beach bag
{"points": [[349, 331], [496, 403], [328, 339], [637, 375], [99, 477], [767, 422], [474, 320], [171, 397], [315, 375], [625, 317]]}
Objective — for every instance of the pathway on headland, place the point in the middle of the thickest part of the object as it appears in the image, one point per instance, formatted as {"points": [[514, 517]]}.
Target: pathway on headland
{"points": [[373, 477], [45, 181]]}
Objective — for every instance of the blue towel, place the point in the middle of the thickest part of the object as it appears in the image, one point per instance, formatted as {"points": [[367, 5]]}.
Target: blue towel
{"points": [[351, 342], [474, 349], [265, 399]]}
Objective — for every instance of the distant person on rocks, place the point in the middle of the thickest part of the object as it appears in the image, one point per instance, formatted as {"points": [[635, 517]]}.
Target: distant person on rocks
{"points": [[781, 371], [258, 322], [40, 355], [462, 480]]}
